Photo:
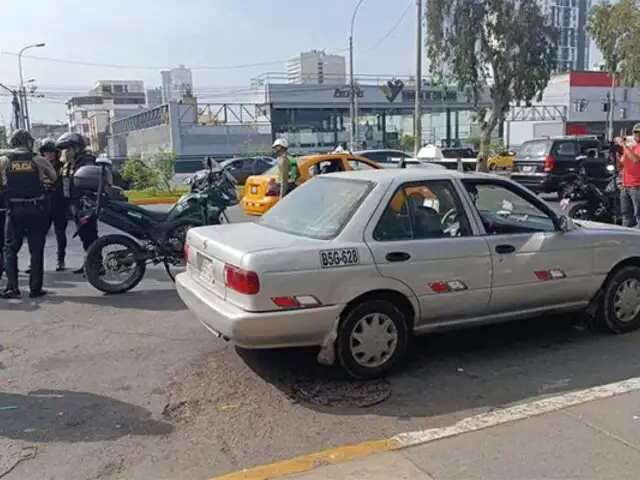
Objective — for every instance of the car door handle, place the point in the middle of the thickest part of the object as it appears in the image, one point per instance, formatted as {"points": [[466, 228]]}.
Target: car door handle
{"points": [[505, 249], [397, 256]]}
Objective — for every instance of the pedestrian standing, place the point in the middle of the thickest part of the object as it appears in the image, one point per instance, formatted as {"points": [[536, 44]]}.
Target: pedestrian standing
{"points": [[59, 211], [630, 191], [22, 176], [74, 150]]}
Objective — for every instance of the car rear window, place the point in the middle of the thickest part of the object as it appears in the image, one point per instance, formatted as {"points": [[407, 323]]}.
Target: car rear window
{"points": [[534, 149], [320, 208]]}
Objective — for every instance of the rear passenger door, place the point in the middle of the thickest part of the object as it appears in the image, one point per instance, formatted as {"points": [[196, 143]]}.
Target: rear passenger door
{"points": [[564, 154], [424, 239]]}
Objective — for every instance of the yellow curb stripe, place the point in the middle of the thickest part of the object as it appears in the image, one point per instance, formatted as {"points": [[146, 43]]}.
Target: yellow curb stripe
{"points": [[306, 463], [154, 201]]}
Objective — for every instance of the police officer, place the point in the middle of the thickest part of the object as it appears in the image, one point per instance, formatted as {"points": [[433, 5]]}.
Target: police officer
{"points": [[22, 176], [59, 216], [76, 155]]}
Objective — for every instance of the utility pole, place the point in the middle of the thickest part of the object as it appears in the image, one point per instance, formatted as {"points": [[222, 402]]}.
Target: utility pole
{"points": [[611, 101], [353, 108], [23, 91], [417, 114], [15, 103]]}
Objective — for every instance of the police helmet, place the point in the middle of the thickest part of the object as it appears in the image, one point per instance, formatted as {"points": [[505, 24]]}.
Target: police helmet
{"points": [[21, 138], [71, 140], [48, 145]]}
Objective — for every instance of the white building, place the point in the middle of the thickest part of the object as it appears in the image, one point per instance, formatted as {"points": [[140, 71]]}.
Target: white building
{"points": [[317, 66], [176, 84], [105, 96], [154, 97], [570, 17]]}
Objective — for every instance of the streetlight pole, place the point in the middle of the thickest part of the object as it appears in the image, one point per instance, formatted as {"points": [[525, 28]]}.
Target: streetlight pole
{"points": [[417, 114], [23, 92], [353, 110]]}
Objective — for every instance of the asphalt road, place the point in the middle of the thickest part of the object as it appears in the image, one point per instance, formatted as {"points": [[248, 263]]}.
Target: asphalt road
{"points": [[131, 386]]}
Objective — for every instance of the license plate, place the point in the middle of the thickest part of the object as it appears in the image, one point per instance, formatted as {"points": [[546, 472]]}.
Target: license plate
{"points": [[527, 169], [205, 268], [254, 189]]}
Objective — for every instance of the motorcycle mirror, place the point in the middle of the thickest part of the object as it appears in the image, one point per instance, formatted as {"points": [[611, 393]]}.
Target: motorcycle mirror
{"points": [[188, 181], [208, 162]]}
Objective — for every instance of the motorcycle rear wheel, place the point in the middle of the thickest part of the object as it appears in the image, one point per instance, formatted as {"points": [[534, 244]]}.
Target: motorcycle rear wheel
{"points": [[580, 211], [94, 267]]}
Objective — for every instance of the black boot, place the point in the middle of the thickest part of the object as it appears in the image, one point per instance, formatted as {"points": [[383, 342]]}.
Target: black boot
{"points": [[61, 267]]}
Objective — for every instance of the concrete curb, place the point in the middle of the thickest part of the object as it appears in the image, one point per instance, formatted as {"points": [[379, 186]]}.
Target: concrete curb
{"points": [[492, 418]]}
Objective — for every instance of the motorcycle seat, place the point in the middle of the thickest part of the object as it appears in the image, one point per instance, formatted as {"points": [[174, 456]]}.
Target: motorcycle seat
{"points": [[147, 212]]}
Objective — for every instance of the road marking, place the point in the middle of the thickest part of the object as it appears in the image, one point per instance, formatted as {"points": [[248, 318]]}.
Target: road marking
{"points": [[500, 416]]}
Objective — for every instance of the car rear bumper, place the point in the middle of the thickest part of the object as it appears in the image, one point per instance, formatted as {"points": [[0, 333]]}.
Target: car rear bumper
{"points": [[256, 330], [258, 207], [539, 183]]}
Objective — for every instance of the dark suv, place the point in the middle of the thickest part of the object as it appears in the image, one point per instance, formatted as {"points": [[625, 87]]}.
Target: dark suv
{"points": [[542, 165]]}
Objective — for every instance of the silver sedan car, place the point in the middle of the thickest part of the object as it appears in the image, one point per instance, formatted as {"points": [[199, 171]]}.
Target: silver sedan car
{"points": [[358, 262]]}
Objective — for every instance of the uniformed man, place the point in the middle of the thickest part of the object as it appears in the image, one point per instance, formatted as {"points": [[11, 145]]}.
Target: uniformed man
{"points": [[22, 176], [288, 171], [76, 155], [59, 217]]}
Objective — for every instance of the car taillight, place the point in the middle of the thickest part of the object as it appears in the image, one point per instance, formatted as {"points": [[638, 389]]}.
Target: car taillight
{"points": [[548, 164], [241, 280], [186, 252], [271, 189]]}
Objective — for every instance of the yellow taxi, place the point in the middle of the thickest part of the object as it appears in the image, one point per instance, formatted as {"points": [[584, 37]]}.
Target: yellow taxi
{"points": [[261, 191], [500, 162]]}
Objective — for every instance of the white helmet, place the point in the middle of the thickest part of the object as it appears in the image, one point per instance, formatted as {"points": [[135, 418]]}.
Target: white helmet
{"points": [[280, 142]]}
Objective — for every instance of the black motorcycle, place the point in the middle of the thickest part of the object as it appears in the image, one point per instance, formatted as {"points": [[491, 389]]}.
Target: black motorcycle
{"points": [[583, 200], [152, 237]]}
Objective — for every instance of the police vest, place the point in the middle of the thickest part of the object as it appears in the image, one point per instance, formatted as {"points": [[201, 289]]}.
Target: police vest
{"points": [[69, 168], [22, 176], [294, 173]]}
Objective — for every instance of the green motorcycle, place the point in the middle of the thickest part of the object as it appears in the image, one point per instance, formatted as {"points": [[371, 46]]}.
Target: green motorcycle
{"points": [[152, 237]]}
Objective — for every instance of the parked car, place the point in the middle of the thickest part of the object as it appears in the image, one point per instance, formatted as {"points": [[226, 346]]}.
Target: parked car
{"points": [[543, 165], [242, 168], [383, 156], [448, 156], [360, 273], [500, 162], [261, 192]]}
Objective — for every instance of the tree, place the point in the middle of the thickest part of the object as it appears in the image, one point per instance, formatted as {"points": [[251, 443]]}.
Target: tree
{"points": [[164, 166], [507, 47], [407, 142], [615, 29]]}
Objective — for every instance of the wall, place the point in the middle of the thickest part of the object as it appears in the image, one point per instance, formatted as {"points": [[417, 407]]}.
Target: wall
{"points": [[149, 140], [224, 139]]}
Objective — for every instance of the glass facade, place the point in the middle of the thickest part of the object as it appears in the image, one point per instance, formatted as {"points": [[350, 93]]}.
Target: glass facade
{"points": [[377, 128]]}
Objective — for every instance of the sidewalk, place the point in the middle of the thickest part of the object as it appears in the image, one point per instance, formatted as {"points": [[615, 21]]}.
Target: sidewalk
{"points": [[596, 440]]}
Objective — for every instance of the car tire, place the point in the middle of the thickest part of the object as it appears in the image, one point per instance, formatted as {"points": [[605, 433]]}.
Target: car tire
{"points": [[390, 320], [610, 315]]}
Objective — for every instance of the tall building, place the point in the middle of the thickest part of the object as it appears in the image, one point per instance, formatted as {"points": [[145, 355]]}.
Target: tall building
{"points": [[177, 83], [570, 17], [317, 66], [154, 97], [105, 96]]}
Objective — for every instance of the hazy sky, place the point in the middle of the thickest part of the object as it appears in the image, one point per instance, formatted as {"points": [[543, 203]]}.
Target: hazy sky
{"points": [[145, 36]]}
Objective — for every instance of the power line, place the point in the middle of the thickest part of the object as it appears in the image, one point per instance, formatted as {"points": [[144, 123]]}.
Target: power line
{"points": [[392, 29]]}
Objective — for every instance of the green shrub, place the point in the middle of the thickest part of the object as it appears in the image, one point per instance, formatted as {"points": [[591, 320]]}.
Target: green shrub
{"points": [[139, 174]]}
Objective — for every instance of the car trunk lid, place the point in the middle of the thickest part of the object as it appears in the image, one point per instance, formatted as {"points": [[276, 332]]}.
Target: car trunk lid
{"points": [[211, 248]]}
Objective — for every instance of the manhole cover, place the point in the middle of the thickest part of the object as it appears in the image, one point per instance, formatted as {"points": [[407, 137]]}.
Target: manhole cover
{"points": [[342, 393]]}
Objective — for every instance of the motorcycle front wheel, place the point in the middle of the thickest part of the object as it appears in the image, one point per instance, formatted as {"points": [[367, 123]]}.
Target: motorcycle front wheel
{"points": [[99, 265]]}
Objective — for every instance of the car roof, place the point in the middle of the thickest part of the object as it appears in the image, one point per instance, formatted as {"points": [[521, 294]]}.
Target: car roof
{"points": [[378, 150], [407, 175]]}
